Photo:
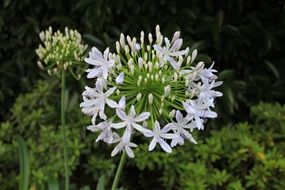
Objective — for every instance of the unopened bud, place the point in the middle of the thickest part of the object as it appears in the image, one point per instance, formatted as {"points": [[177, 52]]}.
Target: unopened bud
{"points": [[172, 113], [118, 47], [150, 98], [167, 90], [138, 97], [194, 55]]}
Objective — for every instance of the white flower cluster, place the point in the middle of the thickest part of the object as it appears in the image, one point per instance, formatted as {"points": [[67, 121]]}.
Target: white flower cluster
{"points": [[60, 51], [144, 86]]}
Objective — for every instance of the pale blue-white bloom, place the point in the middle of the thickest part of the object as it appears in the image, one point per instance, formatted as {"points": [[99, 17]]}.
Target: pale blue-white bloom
{"points": [[170, 51], [95, 99], [102, 63], [120, 78], [198, 110], [125, 143], [159, 135], [181, 127], [105, 130], [131, 119]]}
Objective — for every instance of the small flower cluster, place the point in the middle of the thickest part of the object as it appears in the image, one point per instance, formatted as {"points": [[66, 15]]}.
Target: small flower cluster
{"points": [[154, 89], [60, 51]]}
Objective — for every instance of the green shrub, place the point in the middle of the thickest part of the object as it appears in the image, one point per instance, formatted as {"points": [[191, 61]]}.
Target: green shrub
{"points": [[243, 156]]}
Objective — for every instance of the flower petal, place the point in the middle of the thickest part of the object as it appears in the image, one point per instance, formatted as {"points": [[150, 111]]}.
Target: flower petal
{"points": [[152, 144], [165, 146], [142, 117], [112, 103], [129, 152], [118, 125], [120, 78], [121, 114], [138, 127]]}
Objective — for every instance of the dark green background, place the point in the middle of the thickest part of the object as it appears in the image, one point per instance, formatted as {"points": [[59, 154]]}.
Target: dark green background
{"points": [[245, 39]]}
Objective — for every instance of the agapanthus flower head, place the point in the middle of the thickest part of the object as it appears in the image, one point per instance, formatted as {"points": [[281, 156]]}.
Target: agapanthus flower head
{"points": [[151, 88], [60, 50]]}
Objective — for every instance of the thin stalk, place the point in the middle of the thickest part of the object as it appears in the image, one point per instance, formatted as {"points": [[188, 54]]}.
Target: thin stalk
{"points": [[64, 129], [119, 171]]}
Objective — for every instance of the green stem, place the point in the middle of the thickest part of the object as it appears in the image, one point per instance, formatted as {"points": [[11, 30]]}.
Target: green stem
{"points": [[119, 171], [64, 129]]}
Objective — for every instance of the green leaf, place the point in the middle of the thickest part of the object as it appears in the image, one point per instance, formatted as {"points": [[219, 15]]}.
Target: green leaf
{"points": [[272, 68], [53, 184], [24, 164], [101, 183]]}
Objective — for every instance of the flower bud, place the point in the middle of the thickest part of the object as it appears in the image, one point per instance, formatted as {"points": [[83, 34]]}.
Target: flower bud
{"points": [[167, 90], [150, 98], [194, 55], [138, 97]]}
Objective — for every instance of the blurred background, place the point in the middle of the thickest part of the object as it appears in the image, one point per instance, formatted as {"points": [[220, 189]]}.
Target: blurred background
{"points": [[244, 148]]}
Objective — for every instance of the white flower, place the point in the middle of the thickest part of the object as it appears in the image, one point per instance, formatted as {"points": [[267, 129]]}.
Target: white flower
{"points": [[181, 127], [208, 74], [170, 51], [159, 135], [131, 119], [94, 100], [207, 92], [106, 131], [120, 78], [125, 144], [102, 63], [198, 110]]}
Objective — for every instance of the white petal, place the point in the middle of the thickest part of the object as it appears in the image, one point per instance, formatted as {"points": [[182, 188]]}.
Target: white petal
{"points": [[179, 116], [116, 150], [92, 73], [132, 112], [142, 117], [92, 128], [122, 102], [111, 103], [169, 136], [129, 152], [152, 144], [121, 114], [158, 48], [102, 115], [138, 127], [168, 127], [118, 125], [120, 78], [165, 146], [157, 126], [110, 91], [148, 133]]}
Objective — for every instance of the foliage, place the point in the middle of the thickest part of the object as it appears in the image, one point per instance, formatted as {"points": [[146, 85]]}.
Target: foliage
{"points": [[243, 156], [35, 117]]}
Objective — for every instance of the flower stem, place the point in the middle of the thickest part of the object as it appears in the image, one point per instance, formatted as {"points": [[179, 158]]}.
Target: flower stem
{"points": [[64, 129], [119, 171]]}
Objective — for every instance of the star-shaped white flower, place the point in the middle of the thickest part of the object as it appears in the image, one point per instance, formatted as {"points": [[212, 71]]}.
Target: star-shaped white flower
{"points": [[106, 134], [207, 94], [198, 110], [95, 99], [159, 135], [103, 64], [181, 128], [125, 144], [131, 119], [170, 51]]}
